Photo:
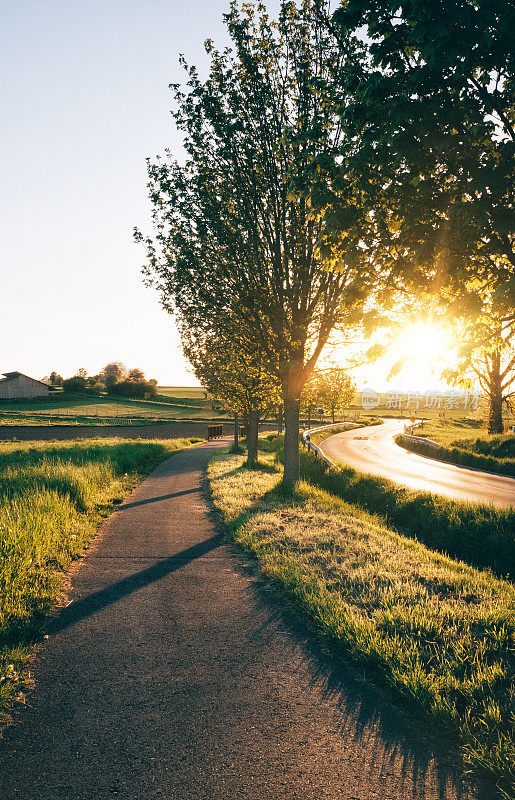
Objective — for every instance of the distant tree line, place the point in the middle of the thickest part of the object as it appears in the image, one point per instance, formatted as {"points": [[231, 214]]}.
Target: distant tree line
{"points": [[114, 378]]}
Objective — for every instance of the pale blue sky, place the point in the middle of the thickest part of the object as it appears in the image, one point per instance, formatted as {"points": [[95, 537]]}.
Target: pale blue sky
{"points": [[84, 100]]}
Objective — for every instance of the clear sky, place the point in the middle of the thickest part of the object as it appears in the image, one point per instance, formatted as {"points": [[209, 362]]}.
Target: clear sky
{"points": [[84, 100]]}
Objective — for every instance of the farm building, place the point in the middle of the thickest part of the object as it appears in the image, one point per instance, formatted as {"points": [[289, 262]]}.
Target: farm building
{"points": [[15, 385]]}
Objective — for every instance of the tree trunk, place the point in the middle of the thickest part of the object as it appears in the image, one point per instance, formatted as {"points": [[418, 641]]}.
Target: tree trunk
{"points": [[495, 424], [332, 412], [252, 438], [236, 431], [309, 419], [291, 442], [280, 419]]}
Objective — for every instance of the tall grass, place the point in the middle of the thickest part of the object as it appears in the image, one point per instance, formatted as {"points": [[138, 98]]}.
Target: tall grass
{"points": [[438, 632], [467, 453], [52, 497], [481, 535]]}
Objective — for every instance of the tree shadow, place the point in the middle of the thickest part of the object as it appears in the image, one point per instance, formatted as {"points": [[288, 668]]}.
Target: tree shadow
{"points": [[124, 506], [426, 758], [97, 601]]}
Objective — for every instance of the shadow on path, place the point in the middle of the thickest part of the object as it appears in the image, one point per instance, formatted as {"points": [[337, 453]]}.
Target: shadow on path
{"points": [[124, 506], [99, 600], [399, 743]]}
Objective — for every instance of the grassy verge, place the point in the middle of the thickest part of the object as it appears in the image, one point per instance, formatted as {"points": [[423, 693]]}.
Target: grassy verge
{"points": [[470, 434], [319, 436], [52, 497], [481, 535], [463, 456], [438, 632], [467, 443]]}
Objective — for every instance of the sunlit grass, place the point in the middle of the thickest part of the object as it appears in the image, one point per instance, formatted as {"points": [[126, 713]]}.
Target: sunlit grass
{"points": [[469, 434], [439, 632], [466, 442], [103, 410], [319, 436], [52, 497]]}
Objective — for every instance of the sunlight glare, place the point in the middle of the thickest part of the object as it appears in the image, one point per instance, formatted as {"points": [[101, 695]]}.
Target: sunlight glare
{"points": [[423, 341]]}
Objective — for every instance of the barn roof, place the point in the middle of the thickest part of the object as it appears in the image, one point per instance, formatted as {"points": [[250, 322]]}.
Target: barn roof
{"points": [[9, 376]]}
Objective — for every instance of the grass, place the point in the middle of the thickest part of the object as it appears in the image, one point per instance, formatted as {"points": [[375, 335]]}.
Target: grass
{"points": [[438, 632], [481, 535], [84, 410], [319, 436], [466, 442], [183, 392], [52, 498], [470, 434]]}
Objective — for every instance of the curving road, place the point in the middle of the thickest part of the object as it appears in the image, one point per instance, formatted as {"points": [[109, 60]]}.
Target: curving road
{"points": [[373, 450]]}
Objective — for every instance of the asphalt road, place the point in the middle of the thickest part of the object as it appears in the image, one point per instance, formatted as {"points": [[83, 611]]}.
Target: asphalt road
{"points": [[176, 672], [373, 450]]}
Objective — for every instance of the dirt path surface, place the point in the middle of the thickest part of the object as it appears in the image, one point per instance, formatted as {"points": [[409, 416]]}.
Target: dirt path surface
{"points": [[177, 673]]}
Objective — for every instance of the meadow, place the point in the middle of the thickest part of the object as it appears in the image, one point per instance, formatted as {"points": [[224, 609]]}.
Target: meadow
{"points": [[469, 434], [184, 392], [95, 410], [52, 498], [438, 632]]}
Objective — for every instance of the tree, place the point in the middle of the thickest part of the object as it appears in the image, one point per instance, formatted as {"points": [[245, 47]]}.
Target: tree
{"points": [[82, 373], [235, 224], [437, 170], [136, 375], [75, 384], [143, 390], [112, 373], [233, 372], [335, 389], [310, 399], [487, 353], [55, 379]]}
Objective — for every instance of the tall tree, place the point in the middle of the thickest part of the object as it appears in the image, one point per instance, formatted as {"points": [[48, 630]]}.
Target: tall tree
{"points": [[112, 373], [310, 399], [136, 375], [55, 379], [487, 352], [235, 224]]}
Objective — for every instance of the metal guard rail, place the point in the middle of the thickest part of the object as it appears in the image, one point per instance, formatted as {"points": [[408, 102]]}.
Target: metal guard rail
{"points": [[306, 441]]}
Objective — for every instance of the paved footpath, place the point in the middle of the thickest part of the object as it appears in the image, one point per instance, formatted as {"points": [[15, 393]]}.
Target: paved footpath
{"points": [[177, 673]]}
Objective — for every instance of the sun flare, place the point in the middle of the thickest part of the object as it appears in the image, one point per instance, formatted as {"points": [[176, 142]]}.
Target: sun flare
{"points": [[415, 356], [423, 341]]}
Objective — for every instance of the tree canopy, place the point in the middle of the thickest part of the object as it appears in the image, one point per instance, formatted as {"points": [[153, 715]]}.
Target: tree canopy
{"points": [[430, 106]]}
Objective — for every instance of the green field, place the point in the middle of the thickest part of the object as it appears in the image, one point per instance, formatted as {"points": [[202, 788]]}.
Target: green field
{"points": [[96, 410], [435, 630], [52, 498], [191, 392]]}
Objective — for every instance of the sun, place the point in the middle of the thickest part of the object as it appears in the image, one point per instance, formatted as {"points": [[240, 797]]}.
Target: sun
{"points": [[423, 342], [414, 356]]}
